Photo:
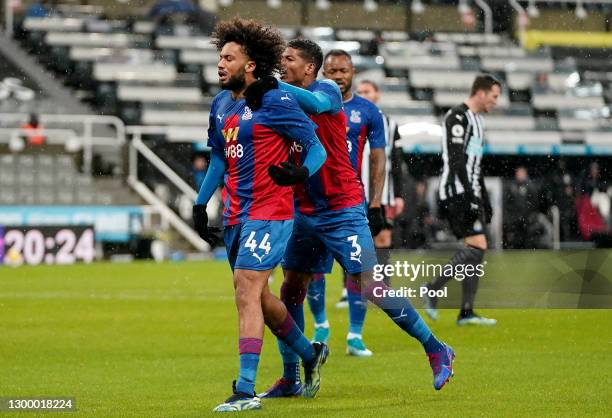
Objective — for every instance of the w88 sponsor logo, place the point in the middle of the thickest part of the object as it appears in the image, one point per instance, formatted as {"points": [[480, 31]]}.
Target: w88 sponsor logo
{"points": [[234, 151]]}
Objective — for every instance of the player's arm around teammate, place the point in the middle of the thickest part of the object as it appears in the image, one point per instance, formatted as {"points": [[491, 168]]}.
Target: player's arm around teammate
{"points": [[248, 145], [331, 223]]}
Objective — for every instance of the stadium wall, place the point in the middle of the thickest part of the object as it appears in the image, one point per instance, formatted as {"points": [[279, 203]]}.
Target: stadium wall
{"points": [[566, 20]]}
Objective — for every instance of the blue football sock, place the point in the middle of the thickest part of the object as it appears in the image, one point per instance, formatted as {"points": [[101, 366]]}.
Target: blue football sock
{"points": [[432, 345], [291, 372], [293, 298], [291, 361], [247, 374], [300, 344], [357, 307], [316, 298], [293, 345], [404, 315], [250, 349]]}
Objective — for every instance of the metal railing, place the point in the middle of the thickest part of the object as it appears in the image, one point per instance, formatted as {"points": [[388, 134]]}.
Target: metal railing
{"points": [[139, 149], [84, 128]]}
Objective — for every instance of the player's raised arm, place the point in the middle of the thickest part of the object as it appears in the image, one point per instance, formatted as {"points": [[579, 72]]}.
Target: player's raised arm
{"points": [[311, 102], [326, 99]]}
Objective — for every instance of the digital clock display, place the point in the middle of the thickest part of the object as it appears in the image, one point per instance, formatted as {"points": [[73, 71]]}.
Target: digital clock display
{"points": [[34, 245]]}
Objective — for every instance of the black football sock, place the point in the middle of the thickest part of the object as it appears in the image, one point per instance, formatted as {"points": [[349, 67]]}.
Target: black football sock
{"points": [[470, 283]]}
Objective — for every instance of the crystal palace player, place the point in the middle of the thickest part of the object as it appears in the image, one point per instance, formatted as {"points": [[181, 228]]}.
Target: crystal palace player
{"points": [[463, 197], [249, 140], [365, 132], [331, 221]]}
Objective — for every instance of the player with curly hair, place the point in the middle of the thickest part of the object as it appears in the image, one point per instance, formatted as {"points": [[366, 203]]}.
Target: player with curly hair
{"points": [[250, 135]]}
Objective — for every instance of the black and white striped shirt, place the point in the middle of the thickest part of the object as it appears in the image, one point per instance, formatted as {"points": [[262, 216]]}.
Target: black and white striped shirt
{"points": [[391, 166], [462, 148]]}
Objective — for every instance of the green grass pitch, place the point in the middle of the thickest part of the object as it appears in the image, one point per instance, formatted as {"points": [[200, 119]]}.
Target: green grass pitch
{"points": [[160, 340]]}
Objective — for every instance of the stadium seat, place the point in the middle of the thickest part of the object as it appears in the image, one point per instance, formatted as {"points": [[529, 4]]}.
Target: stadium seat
{"points": [[513, 64], [187, 133], [566, 101], [105, 40], [53, 24], [351, 47], [599, 138], [144, 27], [524, 138], [203, 57], [577, 124], [174, 117], [403, 119], [447, 99], [363, 35], [555, 82], [491, 51], [502, 122], [154, 72], [394, 35], [321, 33], [159, 94], [78, 53], [441, 79], [184, 42], [468, 38]]}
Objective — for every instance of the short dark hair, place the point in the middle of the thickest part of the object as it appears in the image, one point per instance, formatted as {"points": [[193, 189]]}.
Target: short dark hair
{"points": [[262, 44], [371, 83], [484, 82], [309, 51], [338, 53]]}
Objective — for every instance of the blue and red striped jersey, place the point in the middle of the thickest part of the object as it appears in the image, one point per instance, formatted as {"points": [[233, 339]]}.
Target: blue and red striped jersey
{"points": [[250, 142], [365, 123], [336, 185]]}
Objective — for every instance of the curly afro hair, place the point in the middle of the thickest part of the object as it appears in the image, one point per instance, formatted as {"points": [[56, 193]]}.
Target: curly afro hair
{"points": [[262, 44]]}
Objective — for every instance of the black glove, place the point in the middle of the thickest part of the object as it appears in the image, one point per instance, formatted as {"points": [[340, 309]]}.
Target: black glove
{"points": [[200, 224], [376, 220], [255, 92], [488, 210], [288, 174], [469, 205]]}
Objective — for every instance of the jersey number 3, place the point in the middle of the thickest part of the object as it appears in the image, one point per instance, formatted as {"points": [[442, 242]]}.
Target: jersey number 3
{"points": [[356, 253]]}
